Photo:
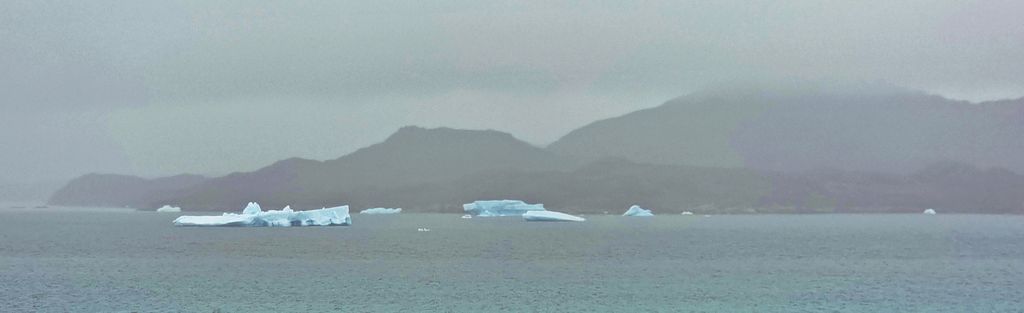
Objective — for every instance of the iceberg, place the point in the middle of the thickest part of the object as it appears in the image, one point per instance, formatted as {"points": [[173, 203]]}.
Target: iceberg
{"points": [[550, 216], [929, 212], [169, 209], [254, 216], [381, 211], [687, 213], [467, 216], [637, 211], [490, 208]]}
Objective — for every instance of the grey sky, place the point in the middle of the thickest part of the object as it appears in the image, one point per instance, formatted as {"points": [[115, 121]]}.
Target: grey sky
{"points": [[164, 87]]}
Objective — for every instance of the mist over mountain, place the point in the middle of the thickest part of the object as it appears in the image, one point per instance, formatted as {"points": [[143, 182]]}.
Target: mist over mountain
{"points": [[718, 151], [28, 193], [113, 190], [883, 129]]}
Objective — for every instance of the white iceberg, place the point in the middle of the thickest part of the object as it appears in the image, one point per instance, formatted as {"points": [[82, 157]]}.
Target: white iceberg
{"points": [[381, 211], [467, 216], [550, 216], [929, 212], [168, 209], [638, 212], [254, 216], [489, 208], [687, 213]]}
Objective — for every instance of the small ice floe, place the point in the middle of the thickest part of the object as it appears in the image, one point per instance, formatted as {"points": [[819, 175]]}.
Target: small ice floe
{"points": [[253, 215], [168, 209], [467, 216], [423, 229], [929, 212], [550, 216], [637, 211], [687, 213], [381, 211]]}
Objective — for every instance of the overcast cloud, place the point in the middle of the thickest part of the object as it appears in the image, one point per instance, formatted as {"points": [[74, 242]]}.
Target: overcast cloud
{"points": [[164, 87]]}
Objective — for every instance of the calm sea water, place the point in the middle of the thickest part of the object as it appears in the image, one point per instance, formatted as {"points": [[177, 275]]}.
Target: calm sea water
{"points": [[111, 261]]}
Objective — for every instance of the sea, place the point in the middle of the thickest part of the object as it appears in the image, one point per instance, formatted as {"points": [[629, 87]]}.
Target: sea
{"points": [[120, 260]]}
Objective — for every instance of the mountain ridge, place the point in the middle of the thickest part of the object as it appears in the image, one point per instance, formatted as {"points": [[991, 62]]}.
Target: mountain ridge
{"points": [[890, 132], [438, 169]]}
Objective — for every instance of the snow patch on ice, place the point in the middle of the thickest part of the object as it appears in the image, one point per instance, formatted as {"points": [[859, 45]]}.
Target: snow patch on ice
{"points": [[381, 211], [550, 216], [252, 208]]}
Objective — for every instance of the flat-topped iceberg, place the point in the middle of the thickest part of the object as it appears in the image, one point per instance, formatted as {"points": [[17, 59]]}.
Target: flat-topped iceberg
{"points": [[638, 212], [489, 208], [254, 216], [550, 216], [168, 209], [381, 211]]}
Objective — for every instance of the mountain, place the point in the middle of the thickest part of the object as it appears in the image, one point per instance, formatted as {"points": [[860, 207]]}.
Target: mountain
{"points": [[887, 130], [119, 190], [410, 157], [606, 185], [789, 151]]}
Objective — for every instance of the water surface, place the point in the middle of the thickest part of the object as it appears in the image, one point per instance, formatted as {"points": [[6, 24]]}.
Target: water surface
{"points": [[115, 260]]}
